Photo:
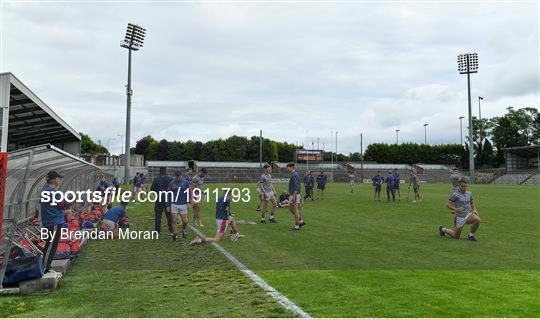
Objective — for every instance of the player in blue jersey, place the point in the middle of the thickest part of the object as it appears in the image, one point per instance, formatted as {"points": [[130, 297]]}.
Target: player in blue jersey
{"points": [[321, 184], [390, 191], [377, 180], [295, 198], [224, 218], [179, 206], [397, 184]]}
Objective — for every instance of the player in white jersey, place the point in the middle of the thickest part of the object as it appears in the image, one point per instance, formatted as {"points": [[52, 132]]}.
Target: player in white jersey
{"points": [[351, 181], [462, 205], [268, 194]]}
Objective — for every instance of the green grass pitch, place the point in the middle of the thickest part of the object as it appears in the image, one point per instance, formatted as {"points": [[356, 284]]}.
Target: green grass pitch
{"points": [[355, 258]]}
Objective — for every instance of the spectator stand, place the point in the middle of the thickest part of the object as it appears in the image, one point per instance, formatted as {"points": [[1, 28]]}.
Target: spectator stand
{"points": [[24, 179], [333, 172], [231, 172]]}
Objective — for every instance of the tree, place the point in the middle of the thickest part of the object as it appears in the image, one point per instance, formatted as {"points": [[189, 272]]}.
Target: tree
{"points": [[162, 150], [142, 145], [88, 146]]}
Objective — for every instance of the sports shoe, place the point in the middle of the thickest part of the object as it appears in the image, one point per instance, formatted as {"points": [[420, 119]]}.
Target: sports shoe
{"points": [[472, 238], [174, 237], [201, 224], [235, 236], [196, 241], [272, 220], [184, 233], [302, 224], [296, 228], [441, 232], [414, 201], [263, 221]]}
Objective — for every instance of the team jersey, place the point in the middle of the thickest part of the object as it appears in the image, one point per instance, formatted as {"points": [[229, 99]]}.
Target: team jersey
{"points": [[396, 178], [221, 208], [266, 183], [294, 183], [51, 214], [462, 200], [137, 181], [197, 181], [377, 180], [308, 180], [179, 187], [187, 176], [321, 180], [390, 181], [414, 180], [114, 213]]}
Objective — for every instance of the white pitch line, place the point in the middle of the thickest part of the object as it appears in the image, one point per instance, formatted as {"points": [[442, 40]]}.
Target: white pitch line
{"points": [[279, 297]]}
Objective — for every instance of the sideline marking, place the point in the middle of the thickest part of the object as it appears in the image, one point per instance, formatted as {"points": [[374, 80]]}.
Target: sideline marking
{"points": [[280, 298]]}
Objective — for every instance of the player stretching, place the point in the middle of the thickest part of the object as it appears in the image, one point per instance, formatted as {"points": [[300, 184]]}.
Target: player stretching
{"points": [[321, 185], [294, 199], [180, 188], [396, 183], [462, 205], [268, 194], [416, 188], [223, 219], [377, 184], [197, 183]]}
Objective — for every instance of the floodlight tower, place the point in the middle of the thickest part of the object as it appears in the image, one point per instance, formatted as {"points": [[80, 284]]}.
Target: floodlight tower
{"points": [[425, 133], [133, 41], [397, 136], [467, 64]]}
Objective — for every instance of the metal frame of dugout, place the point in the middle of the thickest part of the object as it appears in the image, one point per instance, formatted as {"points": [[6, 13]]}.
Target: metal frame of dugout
{"points": [[25, 178]]}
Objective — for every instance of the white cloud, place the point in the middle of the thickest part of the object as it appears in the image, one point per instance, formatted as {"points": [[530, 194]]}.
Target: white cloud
{"points": [[212, 70]]}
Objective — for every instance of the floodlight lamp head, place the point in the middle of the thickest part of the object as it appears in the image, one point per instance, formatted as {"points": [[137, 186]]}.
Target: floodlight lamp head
{"points": [[467, 63]]}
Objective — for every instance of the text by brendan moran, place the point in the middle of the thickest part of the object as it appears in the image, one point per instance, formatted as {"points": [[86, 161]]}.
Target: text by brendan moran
{"points": [[123, 233]]}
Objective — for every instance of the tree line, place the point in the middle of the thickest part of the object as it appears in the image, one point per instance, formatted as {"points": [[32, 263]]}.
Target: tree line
{"points": [[518, 127]]}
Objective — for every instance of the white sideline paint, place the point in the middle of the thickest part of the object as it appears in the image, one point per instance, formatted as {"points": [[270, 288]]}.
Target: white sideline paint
{"points": [[281, 299]]}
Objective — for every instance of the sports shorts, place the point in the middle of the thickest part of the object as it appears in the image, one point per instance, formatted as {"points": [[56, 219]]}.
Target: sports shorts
{"points": [[459, 222], [221, 225], [107, 224], [295, 199], [179, 209], [269, 195], [377, 188]]}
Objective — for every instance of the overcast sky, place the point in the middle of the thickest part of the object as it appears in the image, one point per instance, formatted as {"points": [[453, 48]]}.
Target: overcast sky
{"points": [[211, 70]]}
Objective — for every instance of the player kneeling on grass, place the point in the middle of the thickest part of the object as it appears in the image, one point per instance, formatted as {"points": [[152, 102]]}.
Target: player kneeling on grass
{"points": [[179, 206], [112, 217], [224, 218], [462, 205]]}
